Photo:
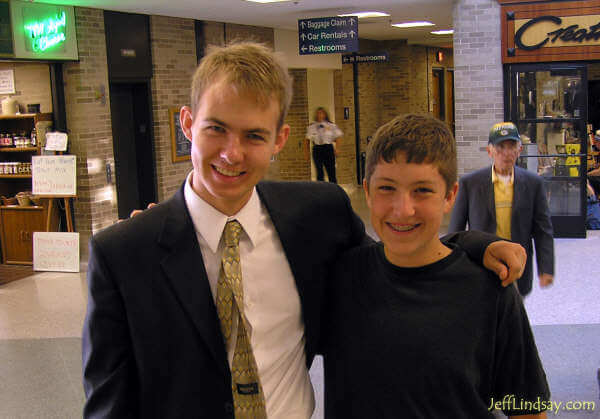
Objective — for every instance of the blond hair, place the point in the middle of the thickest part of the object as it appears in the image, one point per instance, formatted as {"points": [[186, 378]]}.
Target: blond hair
{"points": [[422, 139], [249, 67]]}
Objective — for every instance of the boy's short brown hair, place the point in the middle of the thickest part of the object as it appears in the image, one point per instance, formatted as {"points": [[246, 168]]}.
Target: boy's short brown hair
{"points": [[248, 67], [422, 139]]}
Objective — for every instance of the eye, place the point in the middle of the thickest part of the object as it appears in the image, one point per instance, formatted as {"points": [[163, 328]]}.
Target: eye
{"points": [[215, 129], [424, 190], [385, 188], [256, 137]]}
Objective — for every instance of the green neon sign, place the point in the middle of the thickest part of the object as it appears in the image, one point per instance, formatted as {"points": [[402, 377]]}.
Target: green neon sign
{"points": [[47, 33]]}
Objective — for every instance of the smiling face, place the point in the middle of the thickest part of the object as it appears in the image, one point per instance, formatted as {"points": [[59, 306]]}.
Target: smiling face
{"points": [[233, 139], [407, 203]]}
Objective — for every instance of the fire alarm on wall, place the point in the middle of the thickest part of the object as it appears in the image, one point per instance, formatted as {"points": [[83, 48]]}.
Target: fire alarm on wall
{"points": [[439, 56]]}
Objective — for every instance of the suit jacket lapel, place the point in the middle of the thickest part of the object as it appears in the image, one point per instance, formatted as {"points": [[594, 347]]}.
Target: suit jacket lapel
{"points": [[488, 195], [289, 231], [519, 195], [185, 270]]}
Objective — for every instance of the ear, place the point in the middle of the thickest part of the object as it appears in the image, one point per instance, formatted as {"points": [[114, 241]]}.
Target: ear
{"points": [[450, 198], [489, 150], [186, 121], [366, 189], [281, 138]]}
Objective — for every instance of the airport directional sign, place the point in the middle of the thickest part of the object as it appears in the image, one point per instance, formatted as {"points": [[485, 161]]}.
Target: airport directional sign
{"points": [[366, 58], [328, 35]]}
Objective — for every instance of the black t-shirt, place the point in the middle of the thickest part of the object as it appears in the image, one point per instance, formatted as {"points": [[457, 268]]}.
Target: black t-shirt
{"points": [[442, 340]]}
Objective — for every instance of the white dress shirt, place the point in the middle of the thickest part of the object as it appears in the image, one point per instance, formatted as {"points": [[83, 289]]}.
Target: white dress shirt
{"points": [[271, 301], [323, 132]]}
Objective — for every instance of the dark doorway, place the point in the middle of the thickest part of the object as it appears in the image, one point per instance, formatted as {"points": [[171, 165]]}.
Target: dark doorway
{"points": [[438, 93], [450, 117], [594, 104], [132, 144]]}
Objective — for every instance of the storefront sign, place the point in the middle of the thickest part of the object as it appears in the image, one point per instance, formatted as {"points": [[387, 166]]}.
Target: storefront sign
{"points": [[553, 31], [7, 82], [47, 33], [550, 31], [327, 35], [56, 252], [43, 31], [54, 175]]}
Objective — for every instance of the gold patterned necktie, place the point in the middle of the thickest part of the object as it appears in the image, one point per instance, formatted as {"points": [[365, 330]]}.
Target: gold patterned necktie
{"points": [[248, 396]]}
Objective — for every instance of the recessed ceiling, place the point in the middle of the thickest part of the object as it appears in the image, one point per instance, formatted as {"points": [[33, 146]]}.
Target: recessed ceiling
{"points": [[285, 15]]}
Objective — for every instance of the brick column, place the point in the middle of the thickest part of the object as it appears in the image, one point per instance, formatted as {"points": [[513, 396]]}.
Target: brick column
{"points": [[173, 46], [478, 79], [88, 120]]}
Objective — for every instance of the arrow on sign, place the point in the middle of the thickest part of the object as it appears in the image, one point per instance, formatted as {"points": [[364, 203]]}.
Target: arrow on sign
{"points": [[302, 36], [351, 21], [352, 33], [303, 48], [302, 24]]}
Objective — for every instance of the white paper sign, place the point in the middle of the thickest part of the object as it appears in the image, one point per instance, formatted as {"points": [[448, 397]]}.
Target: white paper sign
{"points": [[54, 175], [56, 141], [56, 252], [7, 82]]}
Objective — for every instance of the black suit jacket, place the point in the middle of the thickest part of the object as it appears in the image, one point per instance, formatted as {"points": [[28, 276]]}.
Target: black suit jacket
{"points": [[152, 346], [530, 216]]}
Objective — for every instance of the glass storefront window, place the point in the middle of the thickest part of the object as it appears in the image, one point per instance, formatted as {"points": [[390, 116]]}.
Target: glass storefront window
{"points": [[552, 149], [564, 197], [548, 103], [549, 94]]}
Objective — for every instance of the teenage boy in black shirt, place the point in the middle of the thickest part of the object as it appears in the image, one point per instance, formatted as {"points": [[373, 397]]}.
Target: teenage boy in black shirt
{"points": [[418, 330]]}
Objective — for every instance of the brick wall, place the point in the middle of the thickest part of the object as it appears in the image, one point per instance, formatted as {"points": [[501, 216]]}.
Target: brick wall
{"points": [[291, 164], [173, 46], [478, 78], [32, 84], [346, 161], [88, 121], [386, 89]]}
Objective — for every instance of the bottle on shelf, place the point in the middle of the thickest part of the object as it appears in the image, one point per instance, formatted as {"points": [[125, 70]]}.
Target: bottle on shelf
{"points": [[34, 137]]}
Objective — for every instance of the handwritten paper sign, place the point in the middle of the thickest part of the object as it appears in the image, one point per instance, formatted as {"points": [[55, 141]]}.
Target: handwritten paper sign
{"points": [[56, 252], [56, 141], [54, 175], [7, 82]]}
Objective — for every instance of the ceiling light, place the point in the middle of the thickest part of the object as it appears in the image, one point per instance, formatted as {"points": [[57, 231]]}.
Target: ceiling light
{"points": [[362, 15], [267, 1], [412, 24], [444, 32]]}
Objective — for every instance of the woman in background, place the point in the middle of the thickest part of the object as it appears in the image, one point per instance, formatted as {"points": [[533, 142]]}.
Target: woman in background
{"points": [[326, 138]]}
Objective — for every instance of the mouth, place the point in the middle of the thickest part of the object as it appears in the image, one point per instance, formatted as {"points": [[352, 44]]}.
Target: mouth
{"points": [[227, 172], [403, 228]]}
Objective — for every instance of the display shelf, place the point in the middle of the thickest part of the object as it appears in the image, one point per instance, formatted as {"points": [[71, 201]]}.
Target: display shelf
{"points": [[18, 149], [23, 116], [18, 223], [23, 207]]}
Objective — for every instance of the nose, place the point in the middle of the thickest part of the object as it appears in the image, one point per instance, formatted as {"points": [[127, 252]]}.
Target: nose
{"points": [[232, 151], [403, 205]]}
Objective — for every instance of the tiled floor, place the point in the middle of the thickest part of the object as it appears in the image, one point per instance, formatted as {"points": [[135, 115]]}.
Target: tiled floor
{"points": [[41, 318]]}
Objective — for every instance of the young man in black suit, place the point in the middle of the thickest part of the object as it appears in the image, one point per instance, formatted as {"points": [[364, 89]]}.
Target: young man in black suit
{"points": [[155, 341]]}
